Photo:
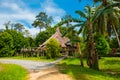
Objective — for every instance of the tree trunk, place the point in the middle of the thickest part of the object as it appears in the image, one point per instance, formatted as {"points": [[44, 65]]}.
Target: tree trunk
{"points": [[116, 35], [81, 57], [92, 54]]}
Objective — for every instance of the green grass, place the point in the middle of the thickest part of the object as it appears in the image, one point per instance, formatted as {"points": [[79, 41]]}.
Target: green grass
{"points": [[30, 58], [12, 72], [109, 69]]}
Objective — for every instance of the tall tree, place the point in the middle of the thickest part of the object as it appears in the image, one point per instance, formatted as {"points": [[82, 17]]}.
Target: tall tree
{"points": [[7, 24], [71, 33], [109, 22], [19, 27], [42, 20], [87, 27]]}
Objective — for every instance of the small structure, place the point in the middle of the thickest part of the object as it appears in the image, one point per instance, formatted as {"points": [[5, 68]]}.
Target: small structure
{"points": [[64, 42]]}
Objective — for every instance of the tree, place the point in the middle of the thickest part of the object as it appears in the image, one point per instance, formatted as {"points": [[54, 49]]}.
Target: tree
{"points": [[113, 43], [31, 41], [42, 21], [18, 27], [91, 17], [88, 23], [19, 41], [6, 44], [27, 33], [53, 48], [71, 33], [7, 24], [44, 35], [102, 45], [109, 22]]}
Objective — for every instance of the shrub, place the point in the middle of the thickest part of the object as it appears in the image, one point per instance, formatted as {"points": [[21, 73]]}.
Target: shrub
{"points": [[102, 45], [114, 43], [53, 48], [6, 44]]}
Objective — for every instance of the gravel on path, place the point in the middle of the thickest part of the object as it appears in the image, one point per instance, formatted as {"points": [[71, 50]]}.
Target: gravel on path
{"points": [[29, 64]]}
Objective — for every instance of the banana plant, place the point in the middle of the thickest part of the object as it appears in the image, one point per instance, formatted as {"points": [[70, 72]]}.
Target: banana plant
{"points": [[88, 26]]}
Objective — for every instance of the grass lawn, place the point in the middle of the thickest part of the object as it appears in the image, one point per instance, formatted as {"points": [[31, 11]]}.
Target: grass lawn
{"points": [[30, 58], [12, 72], [109, 69]]}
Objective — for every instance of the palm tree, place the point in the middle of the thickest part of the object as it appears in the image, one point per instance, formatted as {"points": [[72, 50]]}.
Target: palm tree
{"points": [[110, 21], [90, 16], [74, 35]]}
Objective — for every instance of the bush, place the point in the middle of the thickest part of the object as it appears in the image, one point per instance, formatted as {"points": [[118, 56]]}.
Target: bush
{"points": [[6, 44], [53, 48], [114, 43], [102, 45]]}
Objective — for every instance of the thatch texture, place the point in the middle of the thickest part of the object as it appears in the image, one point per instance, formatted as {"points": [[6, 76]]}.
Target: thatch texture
{"points": [[58, 37]]}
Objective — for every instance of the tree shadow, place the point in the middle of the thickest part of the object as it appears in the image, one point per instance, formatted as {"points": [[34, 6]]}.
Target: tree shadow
{"points": [[84, 73], [111, 62]]}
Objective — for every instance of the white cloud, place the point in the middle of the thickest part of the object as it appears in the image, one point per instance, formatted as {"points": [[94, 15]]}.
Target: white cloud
{"points": [[33, 31], [11, 6], [16, 11], [53, 10]]}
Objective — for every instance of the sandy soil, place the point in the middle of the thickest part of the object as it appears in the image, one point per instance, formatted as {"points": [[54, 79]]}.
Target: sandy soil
{"points": [[48, 74]]}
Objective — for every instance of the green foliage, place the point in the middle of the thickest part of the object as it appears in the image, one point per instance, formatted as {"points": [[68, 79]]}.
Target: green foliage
{"points": [[114, 43], [44, 35], [31, 41], [19, 41], [108, 66], [18, 27], [102, 45], [82, 45], [53, 48], [42, 20], [12, 72], [6, 44]]}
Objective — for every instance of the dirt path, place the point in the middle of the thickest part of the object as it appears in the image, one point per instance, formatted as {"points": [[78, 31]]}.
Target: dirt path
{"points": [[48, 74], [31, 65], [39, 70]]}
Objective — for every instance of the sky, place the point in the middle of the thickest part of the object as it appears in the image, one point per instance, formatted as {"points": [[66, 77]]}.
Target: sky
{"points": [[24, 11]]}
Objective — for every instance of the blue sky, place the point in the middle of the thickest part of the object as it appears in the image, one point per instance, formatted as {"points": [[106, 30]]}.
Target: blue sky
{"points": [[24, 11]]}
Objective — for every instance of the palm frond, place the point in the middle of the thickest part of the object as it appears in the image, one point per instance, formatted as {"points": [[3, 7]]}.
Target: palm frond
{"points": [[99, 12], [82, 14]]}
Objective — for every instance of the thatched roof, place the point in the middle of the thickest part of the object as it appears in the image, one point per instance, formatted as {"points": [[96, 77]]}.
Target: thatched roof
{"points": [[58, 37]]}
